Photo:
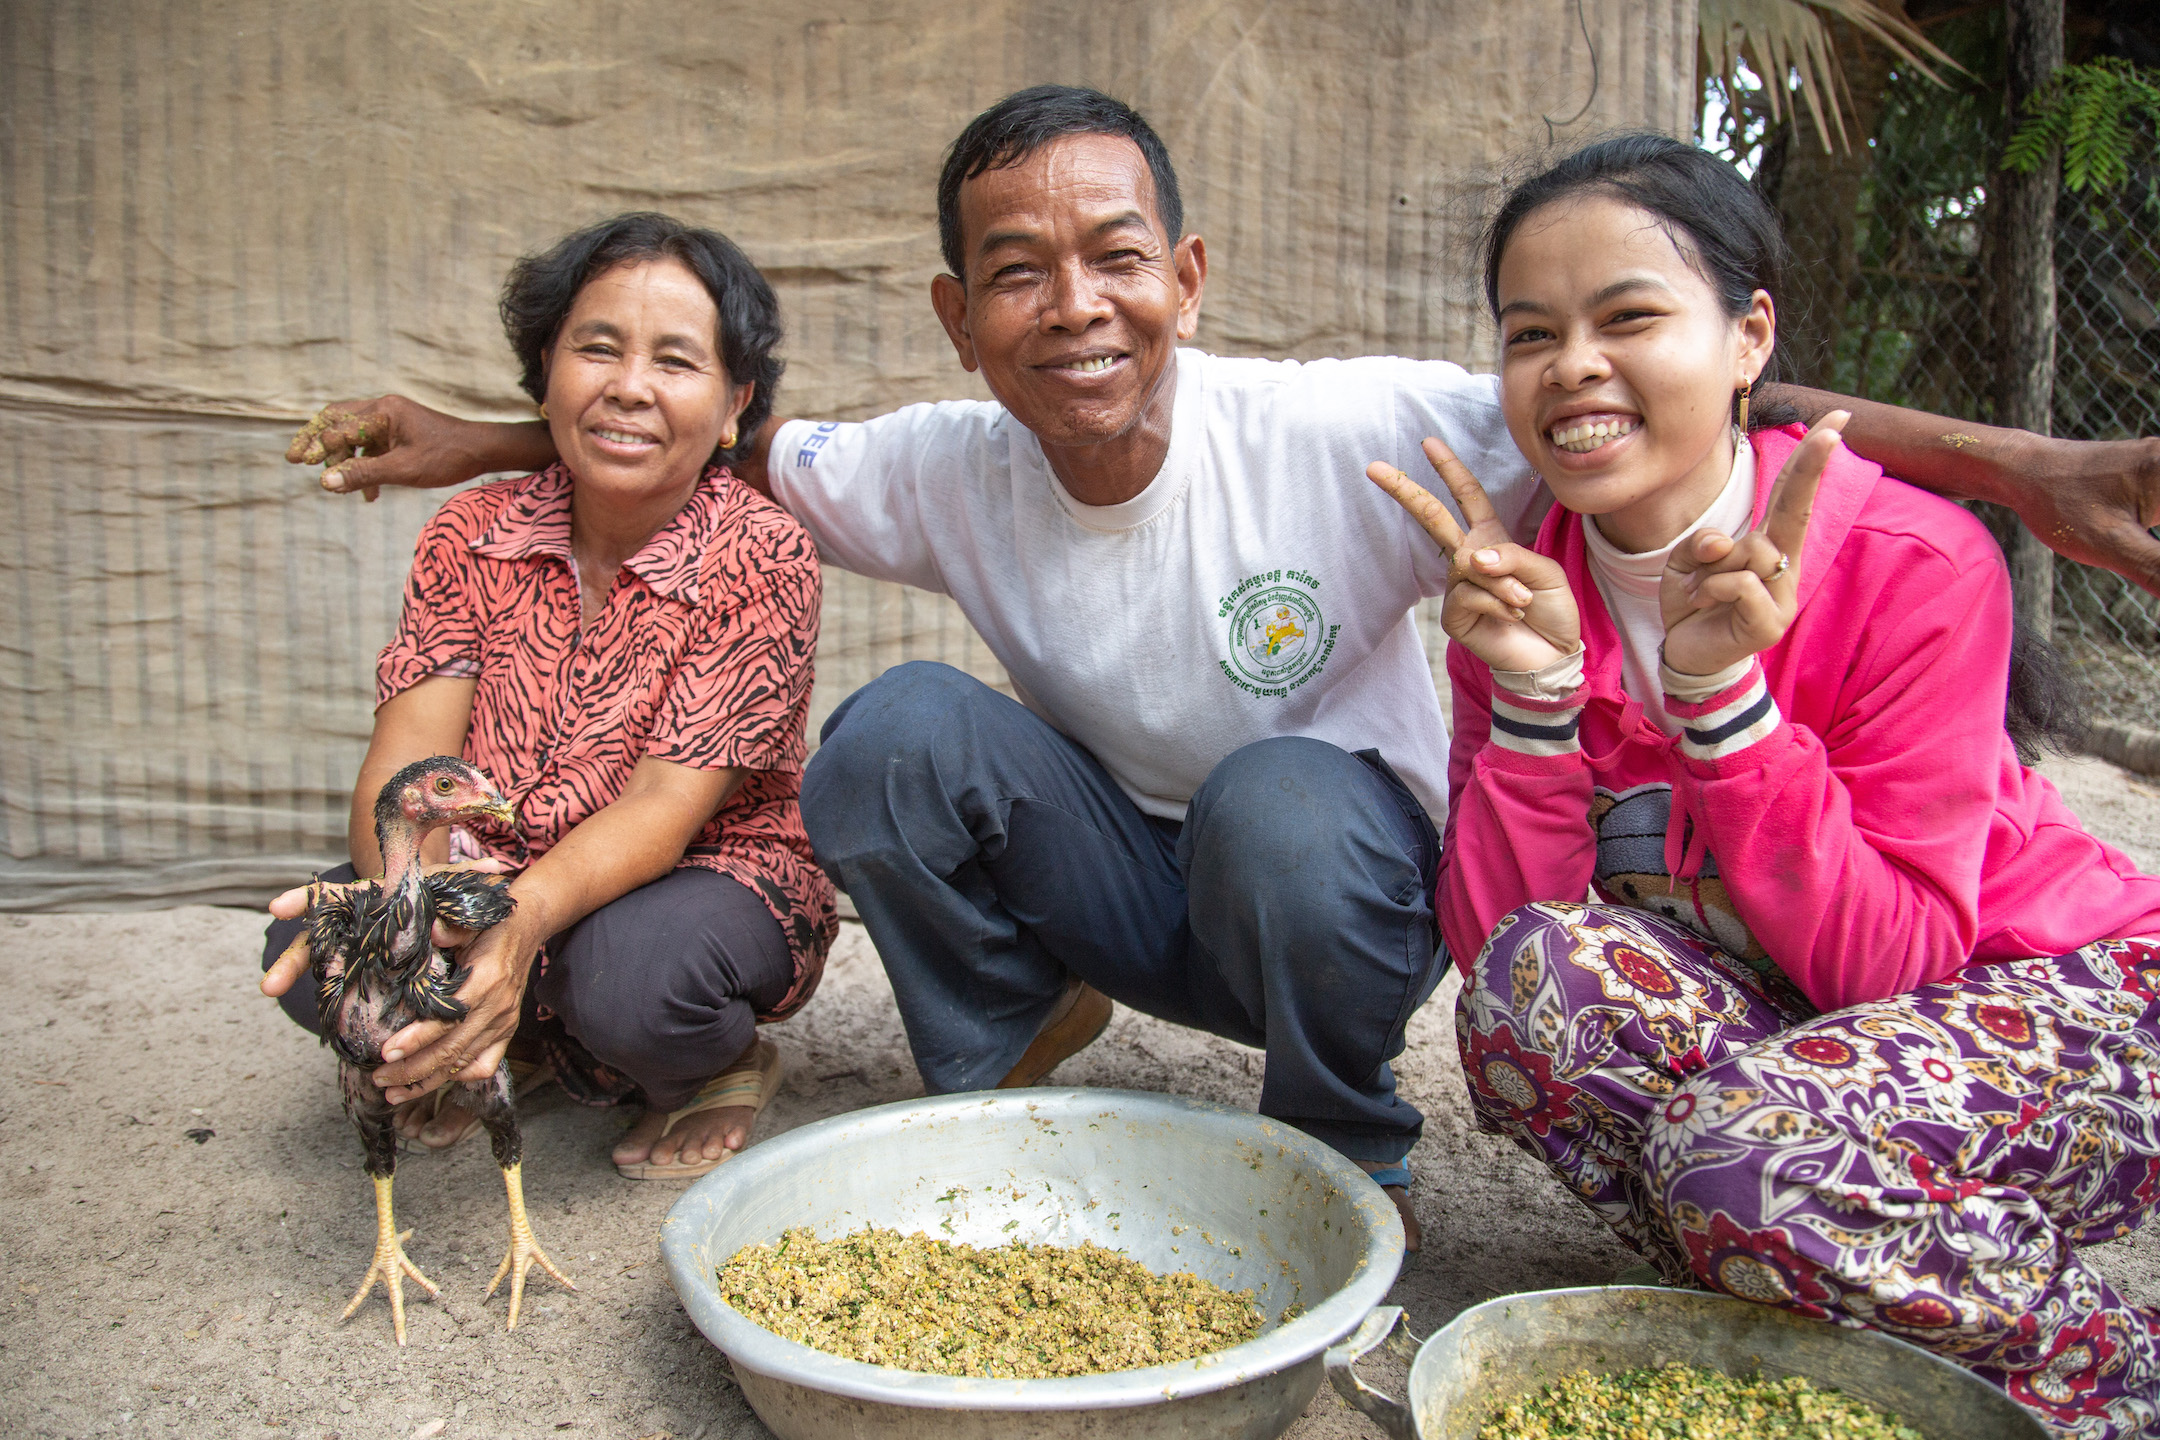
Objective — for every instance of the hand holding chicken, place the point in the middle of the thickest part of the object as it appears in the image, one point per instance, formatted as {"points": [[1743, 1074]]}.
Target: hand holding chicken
{"points": [[379, 967]]}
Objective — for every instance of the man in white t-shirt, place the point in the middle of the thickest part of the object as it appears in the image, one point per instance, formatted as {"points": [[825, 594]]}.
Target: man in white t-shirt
{"points": [[1216, 797]]}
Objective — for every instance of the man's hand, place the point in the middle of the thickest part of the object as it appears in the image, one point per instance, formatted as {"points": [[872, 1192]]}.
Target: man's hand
{"points": [[392, 441], [2097, 502]]}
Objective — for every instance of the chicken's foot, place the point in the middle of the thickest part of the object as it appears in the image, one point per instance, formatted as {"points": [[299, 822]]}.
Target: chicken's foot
{"points": [[390, 1264], [524, 1251]]}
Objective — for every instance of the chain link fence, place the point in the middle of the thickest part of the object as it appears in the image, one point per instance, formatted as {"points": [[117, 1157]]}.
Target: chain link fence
{"points": [[1916, 331], [2107, 387]]}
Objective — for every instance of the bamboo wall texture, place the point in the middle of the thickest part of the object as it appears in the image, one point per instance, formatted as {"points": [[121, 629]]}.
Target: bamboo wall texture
{"points": [[214, 217]]}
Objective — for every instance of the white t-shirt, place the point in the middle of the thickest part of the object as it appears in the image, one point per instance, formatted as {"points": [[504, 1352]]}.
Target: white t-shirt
{"points": [[1628, 583], [1260, 586]]}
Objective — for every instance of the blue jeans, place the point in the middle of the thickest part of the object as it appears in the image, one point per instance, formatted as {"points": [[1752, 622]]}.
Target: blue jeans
{"points": [[989, 856]]}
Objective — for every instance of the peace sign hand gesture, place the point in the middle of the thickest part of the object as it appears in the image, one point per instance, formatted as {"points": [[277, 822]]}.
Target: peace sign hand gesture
{"points": [[1507, 605], [1724, 600]]}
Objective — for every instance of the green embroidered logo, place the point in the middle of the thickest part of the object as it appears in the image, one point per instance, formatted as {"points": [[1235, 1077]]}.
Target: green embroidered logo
{"points": [[1279, 639]]}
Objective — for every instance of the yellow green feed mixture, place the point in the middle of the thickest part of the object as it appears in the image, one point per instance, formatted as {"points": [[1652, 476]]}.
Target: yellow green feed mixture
{"points": [[1015, 1312], [1686, 1402]]}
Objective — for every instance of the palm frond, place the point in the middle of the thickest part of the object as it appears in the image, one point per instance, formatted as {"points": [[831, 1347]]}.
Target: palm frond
{"points": [[1781, 38]]}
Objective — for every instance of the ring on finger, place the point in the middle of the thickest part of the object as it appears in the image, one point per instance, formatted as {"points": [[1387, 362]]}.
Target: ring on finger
{"points": [[1784, 563]]}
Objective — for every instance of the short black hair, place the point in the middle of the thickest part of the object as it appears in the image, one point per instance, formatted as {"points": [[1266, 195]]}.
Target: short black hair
{"points": [[537, 298], [1025, 121], [1719, 222]]}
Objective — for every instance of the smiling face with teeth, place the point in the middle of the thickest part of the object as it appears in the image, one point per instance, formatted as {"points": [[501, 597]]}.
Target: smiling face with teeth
{"points": [[1072, 307], [638, 395], [1618, 366]]}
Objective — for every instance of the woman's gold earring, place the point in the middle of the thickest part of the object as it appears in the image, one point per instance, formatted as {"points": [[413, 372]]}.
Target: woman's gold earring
{"points": [[1740, 417], [727, 441], [543, 410]]}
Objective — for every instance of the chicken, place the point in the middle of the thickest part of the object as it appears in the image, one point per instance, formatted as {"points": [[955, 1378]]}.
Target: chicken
{"points": [[377, 969]]}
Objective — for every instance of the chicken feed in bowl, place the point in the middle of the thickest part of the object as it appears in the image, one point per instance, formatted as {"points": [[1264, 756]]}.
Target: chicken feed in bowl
{"points": [[1014, 1311], [1179, 1186]]}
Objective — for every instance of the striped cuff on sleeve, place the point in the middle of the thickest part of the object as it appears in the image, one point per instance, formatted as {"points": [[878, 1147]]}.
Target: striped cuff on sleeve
{"points": [[1728, 722], [1535, 730]]}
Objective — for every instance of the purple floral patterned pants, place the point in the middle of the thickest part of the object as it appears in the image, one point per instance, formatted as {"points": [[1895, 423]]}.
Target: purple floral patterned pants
{"points": [[1925, 1165]]}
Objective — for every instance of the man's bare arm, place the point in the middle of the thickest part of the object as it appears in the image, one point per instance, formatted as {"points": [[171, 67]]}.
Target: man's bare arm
{"points": [[2094, 501], [368, 444]]}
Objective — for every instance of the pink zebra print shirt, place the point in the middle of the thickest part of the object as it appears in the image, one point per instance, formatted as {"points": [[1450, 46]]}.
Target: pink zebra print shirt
{"points": [[701, 655]]}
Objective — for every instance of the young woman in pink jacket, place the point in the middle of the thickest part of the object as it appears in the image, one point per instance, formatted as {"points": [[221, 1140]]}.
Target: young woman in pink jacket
{"points": [[1855, 1019]]}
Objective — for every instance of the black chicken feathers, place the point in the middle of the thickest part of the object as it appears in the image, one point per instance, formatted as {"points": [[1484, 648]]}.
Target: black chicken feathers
{"points": [[353, 928]]}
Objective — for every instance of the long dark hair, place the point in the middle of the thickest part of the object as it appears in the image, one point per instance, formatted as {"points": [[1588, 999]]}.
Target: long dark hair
{"points": [[537, 297], [1731, 237]]}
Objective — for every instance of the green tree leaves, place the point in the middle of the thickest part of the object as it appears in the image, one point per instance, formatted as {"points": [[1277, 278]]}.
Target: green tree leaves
{"points": [[2090, 111]]}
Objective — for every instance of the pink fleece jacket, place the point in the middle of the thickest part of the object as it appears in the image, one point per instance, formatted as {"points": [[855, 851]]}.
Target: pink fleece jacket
{"points": [[1851, 812]]}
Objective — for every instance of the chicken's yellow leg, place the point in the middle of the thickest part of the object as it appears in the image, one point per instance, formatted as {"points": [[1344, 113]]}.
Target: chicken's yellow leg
{"points": [[524, 1251], [389, 1264]]}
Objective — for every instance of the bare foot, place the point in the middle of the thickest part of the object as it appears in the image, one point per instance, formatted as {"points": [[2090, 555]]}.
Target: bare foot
{"points": [[706, 1135], [1413, 1234], [420, 1121]]}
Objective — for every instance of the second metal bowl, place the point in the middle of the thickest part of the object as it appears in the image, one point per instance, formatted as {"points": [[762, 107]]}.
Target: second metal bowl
{"points": [[1515, 1345]]}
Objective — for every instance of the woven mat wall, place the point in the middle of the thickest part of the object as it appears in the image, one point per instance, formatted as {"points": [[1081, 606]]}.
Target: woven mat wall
{"points": [[216, 216]]}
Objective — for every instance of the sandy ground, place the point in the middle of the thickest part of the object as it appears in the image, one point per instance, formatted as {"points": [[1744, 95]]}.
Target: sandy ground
{"points": [[182, 1213]]}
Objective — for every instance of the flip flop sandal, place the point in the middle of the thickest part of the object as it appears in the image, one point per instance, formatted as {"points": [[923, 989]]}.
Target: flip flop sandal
{"points": [[750, 1082], [526, 1076]]}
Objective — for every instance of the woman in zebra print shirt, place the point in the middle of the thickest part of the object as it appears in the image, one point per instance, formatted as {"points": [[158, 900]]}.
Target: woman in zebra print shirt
{"points": [[623, 642]]}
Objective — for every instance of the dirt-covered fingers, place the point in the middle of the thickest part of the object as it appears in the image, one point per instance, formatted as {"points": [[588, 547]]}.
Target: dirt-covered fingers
{"points": [[1425, 507], [307, 446], [336, 432], [364, 444]]}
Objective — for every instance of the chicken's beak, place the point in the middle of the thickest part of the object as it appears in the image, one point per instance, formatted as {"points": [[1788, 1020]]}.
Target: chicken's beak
{"points": [[502, 810]]}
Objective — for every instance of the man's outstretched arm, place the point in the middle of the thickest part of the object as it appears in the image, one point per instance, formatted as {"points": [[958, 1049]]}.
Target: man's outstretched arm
{"points": [[2095, 501], [368, 444]]}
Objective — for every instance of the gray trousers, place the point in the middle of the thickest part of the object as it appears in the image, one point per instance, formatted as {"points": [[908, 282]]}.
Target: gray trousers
{"points": [[662, 985], [989, 856]]}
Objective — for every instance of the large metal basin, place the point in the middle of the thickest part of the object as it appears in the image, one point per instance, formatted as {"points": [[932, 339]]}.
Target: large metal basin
{"points": [[1512, 1346], [1178, 1184]]}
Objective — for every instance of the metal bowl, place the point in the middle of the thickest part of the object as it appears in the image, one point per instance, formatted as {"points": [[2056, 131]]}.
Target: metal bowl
{"points": [[1177, 1184], [1505, 1348]]}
